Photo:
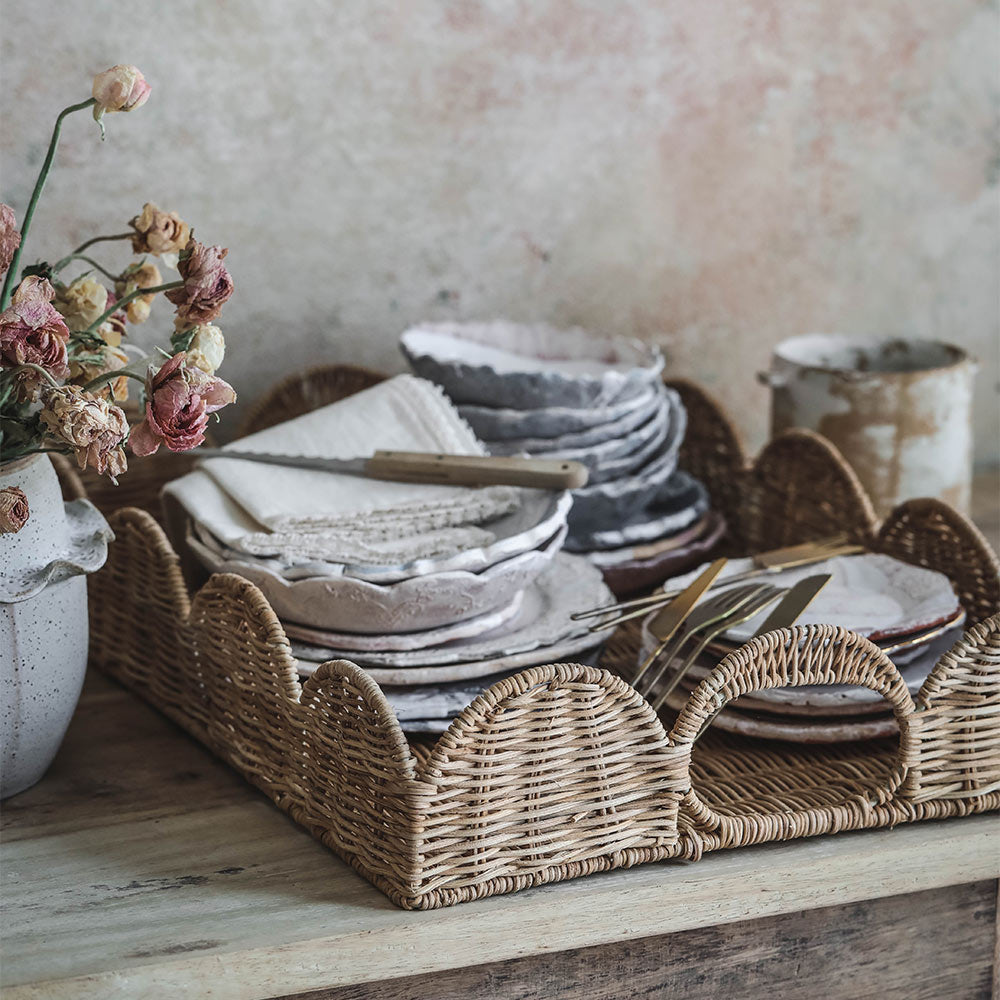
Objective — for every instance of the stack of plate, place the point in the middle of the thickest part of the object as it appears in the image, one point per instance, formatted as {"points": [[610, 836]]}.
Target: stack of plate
{"points": [[466, 603], [434, 634], [564, 394], [912, 613]]}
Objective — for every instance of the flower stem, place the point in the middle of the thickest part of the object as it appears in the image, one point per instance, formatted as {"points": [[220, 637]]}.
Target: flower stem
{"points": [[90, 260], [38, 368], [111, 376], [102, 239], [8, 285], [111, 310]]}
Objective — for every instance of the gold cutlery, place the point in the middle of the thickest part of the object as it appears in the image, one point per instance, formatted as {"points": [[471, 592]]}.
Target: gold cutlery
{"points": [[721, 612], [764, 563], [668, 620]]}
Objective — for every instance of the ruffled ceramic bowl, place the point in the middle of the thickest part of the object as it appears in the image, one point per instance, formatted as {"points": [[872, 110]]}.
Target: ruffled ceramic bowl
{"points": [[608, 459], [347, 604], [601, 505], [675, 505], [525, 366], [592, 423]]}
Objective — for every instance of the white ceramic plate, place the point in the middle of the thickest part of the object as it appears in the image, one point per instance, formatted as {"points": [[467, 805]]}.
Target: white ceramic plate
{"points": [[567, 585], [421, 602], [573, 650], [836, 698], [523, 366], [872, 594], [541, 514], [551, 422], [791, 730], [424, 639]]}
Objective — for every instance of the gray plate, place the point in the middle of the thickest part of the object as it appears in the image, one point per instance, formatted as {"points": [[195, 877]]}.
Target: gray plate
{"points": [[552, 422]]}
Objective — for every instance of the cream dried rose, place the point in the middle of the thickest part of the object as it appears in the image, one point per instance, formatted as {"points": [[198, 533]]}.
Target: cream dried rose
{"points": [[207, 348], [81, 302], [94, 428], [100, 362], [142, 275], [14, 511], [159, 233]]}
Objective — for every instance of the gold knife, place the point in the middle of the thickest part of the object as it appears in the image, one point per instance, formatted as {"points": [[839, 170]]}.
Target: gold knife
{"points": [[668, 619], [800, 595]]}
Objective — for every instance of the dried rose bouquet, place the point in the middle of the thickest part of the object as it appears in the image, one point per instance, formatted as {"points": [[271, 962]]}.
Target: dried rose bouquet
{"points": [[64, 364]]}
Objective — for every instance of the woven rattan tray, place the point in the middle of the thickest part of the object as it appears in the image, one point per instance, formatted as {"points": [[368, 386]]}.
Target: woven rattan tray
{"points": [[564, 770]]}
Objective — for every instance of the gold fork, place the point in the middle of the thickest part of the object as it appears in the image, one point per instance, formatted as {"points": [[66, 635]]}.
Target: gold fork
{"points": [[715, 609]]}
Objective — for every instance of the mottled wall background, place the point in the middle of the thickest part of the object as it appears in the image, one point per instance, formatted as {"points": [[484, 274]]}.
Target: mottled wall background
{"points": [[712, 175]]}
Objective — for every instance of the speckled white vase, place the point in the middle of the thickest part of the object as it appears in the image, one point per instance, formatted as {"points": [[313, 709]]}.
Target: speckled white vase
{"points": [[43, 619]]}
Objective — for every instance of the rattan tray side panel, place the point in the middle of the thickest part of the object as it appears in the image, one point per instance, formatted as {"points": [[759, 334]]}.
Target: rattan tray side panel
{"points": [[800, 488], [712, 452], [957, 724], [558, 765]]}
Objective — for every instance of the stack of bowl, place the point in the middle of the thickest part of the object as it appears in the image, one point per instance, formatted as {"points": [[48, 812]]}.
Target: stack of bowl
{"points": [[566, 394]]}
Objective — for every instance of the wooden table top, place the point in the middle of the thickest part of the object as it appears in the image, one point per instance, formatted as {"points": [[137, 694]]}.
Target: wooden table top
{"points": [[143, 867]]}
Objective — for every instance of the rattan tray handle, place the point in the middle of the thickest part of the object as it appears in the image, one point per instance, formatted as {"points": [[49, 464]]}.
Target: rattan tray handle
{"points": [[811, 654]]}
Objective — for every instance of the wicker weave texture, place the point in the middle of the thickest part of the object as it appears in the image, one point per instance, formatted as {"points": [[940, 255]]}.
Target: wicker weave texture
{"points": [[564, 769]]}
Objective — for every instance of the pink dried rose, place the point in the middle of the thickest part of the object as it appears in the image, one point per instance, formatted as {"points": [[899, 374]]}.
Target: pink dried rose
{"points": [[93, 427], [159, 232], [207, 285], [121, 88], [33, 332], [179, 400], [14, 512], [10, 237], [142, 275]]}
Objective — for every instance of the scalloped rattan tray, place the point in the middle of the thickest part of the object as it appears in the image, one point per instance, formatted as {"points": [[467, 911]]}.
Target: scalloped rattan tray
{"points": [[564, 770]]}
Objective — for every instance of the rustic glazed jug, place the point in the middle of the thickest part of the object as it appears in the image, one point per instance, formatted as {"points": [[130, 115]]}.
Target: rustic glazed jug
{"points": [[43, 619], [900, 411]]}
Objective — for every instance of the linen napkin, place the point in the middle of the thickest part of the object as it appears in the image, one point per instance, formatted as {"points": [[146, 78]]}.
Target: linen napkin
{"points": [[303, 514]]}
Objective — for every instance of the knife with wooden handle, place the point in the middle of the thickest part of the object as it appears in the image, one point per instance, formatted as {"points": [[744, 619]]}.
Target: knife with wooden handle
{"points": [[431, 468]]}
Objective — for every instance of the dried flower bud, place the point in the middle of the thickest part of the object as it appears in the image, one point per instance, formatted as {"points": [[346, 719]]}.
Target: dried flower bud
{"points": [[207, 348], [121, 88]]}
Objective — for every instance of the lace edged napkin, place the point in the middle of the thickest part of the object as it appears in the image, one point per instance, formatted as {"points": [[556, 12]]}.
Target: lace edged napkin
{"points": [[302, 514]]}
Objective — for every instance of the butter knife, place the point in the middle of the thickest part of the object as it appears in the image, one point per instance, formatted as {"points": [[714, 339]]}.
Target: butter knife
{"points": [[799, 596], [430, 468]]}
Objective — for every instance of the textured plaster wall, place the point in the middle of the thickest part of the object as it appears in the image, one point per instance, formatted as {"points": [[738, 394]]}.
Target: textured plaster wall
{"points": [[712, 174]]}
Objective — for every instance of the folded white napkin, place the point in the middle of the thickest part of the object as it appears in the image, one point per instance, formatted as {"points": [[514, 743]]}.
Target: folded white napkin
{"points": [[302, 514]]}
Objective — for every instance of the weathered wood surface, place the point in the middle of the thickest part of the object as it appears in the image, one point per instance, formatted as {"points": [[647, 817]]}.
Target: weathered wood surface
{"points": [[143, 867], [935, 945]]}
